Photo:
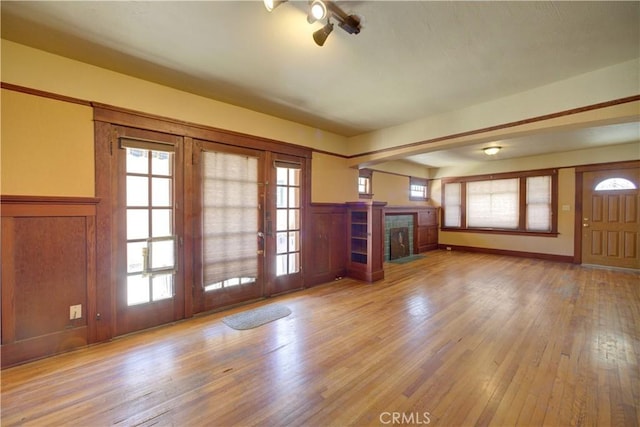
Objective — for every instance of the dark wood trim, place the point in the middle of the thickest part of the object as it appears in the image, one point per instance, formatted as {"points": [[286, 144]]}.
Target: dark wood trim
{"points": [[187, 231], [501, 175], [131, 118], [59, 200], [577, 223], [45, 346], [631, 164], [499, 231], [44, 94], [105, 292], [7, 261], [92, 262], [507, 125], [20, 206], [521, 254], [327, 205], [329, 153]]}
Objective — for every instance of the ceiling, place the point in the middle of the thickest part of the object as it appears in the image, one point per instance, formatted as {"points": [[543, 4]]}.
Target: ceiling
{"points": [[411, 60]]}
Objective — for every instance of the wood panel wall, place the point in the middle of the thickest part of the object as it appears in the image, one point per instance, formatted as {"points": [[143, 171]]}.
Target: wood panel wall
{"points": [[326, 251], [48, 264]]}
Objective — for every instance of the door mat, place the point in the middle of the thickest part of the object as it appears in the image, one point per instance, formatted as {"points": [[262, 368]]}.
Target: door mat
{"points": [[259, 316], [407, 259]]}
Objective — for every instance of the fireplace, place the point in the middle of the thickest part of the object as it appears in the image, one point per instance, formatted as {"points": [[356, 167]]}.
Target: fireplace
{"points": [[399, 246], [398, 221]]}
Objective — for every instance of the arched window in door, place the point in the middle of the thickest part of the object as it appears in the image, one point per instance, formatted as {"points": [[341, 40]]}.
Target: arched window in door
{"points": [[615, 184]]}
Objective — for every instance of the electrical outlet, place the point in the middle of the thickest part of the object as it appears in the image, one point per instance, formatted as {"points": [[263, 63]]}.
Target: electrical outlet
{"points": [[75, 312]]}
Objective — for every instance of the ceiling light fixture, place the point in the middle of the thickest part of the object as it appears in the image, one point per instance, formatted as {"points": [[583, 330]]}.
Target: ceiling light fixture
{"points": [[321, 35], [272, 4], [321, 9], [491, 151], [317, 11]]}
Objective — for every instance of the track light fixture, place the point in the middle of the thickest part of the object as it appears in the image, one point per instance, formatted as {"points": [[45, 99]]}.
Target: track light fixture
{"points": [[321, 35], [319, 10], [272, 4]]}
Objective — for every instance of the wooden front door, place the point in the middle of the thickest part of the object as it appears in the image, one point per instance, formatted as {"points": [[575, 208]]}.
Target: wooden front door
{"points": [[611, 218]]}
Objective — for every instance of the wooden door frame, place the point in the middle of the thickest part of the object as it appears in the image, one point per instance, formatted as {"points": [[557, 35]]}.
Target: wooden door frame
{"points": [[580, 170], [271, 287], [105, 118]]}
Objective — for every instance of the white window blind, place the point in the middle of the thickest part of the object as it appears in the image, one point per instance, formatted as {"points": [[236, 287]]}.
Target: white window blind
{"points": [[493, 204], [539, 203], [453, 204], [230, 218]]}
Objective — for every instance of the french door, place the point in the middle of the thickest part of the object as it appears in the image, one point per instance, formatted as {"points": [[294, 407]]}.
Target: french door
{"points": [[248, 209], [147, 229], [229, 244], [284, 223]]}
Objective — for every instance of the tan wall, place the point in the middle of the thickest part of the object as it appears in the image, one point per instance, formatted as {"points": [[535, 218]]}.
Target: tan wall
{"points": [[332, 181], [32, 68], [47, 147], [393, 189]]}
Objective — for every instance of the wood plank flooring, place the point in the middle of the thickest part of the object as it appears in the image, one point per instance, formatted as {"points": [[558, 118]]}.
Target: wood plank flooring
{"points": [[453, 339]]}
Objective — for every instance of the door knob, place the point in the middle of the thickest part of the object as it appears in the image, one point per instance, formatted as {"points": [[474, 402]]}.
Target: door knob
{"points": [[585, 225]]}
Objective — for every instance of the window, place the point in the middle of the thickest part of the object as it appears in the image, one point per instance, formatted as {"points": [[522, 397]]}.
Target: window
{"points": [[615, 184], [520, 203], [364, 183], [418, 189], [453, 204], [539, 203], [493, 204]]}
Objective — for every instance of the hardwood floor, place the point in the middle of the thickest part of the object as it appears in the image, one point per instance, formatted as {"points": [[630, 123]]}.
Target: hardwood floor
{"points": [[453, 339]]}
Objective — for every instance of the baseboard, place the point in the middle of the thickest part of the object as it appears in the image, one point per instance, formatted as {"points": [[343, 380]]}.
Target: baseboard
{"points": [[521, 254]]}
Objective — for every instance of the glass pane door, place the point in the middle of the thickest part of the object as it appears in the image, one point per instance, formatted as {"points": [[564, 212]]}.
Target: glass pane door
{"points": [[229, 251], [284, 260], [151, 259], [287, 220], [148, 221]]}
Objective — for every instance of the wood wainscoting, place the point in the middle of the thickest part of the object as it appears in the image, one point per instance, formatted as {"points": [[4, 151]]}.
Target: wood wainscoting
{"points": [[326, 251], [48, 265]]}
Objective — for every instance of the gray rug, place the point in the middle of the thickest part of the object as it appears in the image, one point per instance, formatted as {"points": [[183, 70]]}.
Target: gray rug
{"points": [[258, 316]]}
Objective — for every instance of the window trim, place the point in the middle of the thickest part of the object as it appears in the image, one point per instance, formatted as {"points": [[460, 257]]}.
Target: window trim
{"points": [[367, 174], [422, 182], [521, 230]]}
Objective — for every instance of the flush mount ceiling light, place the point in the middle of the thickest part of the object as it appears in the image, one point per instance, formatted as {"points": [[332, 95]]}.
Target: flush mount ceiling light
{"points": [[491, 151], [321, 9]]}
